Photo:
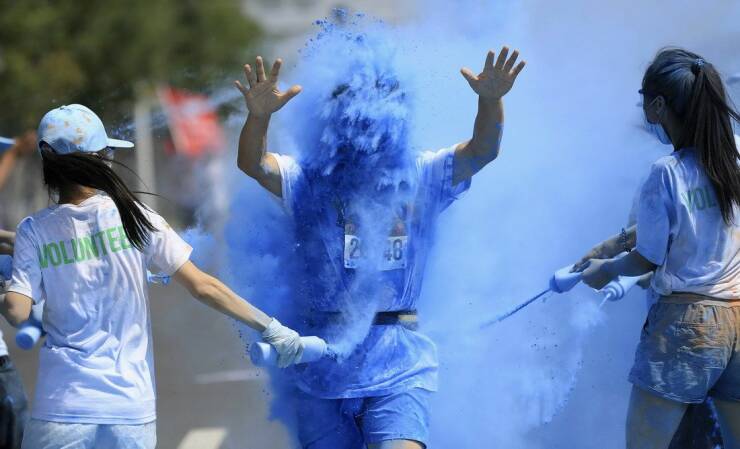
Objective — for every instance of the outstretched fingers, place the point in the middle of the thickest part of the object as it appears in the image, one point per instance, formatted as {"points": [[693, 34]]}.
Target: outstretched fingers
{"points": [[260, 69], [469, 76], [502, 58], [250, 79], [511, 61], [489, 60], [241, 87], [290, 93], [249, 73], [275, 70], [517, 69]]}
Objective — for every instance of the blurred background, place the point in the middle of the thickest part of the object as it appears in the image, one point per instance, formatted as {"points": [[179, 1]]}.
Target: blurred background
{"points": [[160, 73], [156, 71]]}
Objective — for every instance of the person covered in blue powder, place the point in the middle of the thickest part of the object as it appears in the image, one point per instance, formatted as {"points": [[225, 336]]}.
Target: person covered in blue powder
{"points": [[364, 205], [687, 233], [86, 258]]}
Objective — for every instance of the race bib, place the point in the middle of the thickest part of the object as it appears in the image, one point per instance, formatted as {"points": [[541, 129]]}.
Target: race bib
{"points": [[394, 254]]}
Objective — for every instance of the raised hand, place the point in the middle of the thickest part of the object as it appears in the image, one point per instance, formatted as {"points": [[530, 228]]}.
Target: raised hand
{"points": [[495, 81], [263, 97]]}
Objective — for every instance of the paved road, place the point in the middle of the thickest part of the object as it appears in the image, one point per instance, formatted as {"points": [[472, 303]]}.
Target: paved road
{"points": [[209, 395]]}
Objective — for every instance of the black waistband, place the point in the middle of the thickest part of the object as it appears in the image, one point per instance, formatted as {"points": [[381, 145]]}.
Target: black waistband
{"points": [[405, 318], [396, 315]]}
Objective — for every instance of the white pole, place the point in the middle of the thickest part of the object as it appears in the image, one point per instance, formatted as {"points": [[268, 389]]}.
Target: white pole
{"points": [[144, 149]]}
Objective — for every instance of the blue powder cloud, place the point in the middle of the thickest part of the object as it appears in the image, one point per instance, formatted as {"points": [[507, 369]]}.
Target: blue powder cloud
{"points": [[573, 154]]}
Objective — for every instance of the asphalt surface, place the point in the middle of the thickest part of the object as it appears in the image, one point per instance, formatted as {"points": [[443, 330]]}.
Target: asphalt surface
{"points": [[209, 396]]}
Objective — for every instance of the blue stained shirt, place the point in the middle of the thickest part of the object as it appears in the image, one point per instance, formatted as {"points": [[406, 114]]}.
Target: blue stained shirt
{"points": [[390, 358], [680, 229]]}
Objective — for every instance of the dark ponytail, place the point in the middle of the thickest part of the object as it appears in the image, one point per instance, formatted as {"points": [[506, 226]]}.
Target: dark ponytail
{"points": [[694, 91], [64, 172]]}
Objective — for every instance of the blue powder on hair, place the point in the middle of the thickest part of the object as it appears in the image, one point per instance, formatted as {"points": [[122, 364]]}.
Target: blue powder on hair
{"points": [[352, 119]]}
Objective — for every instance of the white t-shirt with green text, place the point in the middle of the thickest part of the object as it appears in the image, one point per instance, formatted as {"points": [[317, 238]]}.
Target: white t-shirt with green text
{"points": [[96, 365], [680, 229]]}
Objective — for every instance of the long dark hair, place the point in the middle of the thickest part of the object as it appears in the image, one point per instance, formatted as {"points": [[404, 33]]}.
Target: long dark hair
{"points": [[64, 172], [693, 90]]}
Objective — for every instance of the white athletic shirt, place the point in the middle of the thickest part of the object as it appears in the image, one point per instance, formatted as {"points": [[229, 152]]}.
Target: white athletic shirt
{"points": [[96, 365], [680, 229]]}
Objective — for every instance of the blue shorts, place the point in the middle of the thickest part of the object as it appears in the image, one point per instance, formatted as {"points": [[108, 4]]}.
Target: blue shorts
{"points": [[690, 349], [56, 435], [356, 422]]}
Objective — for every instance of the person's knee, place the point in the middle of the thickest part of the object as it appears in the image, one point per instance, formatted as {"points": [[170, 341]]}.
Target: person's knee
{"points": [[651, 420]]}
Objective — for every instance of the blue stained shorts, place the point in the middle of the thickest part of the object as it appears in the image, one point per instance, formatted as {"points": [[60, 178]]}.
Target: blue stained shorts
{"points": [[356, 422], [690, 349], [55, 435]]}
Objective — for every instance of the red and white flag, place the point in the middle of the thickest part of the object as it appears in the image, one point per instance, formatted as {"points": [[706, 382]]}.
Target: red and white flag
{"points": [[193, 122]]}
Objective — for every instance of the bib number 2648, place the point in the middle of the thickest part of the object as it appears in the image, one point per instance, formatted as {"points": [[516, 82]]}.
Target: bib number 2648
{"points": [[394, 254]]}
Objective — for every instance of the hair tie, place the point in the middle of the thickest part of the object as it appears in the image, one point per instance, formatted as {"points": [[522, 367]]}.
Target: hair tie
{"points": [[697, 65]]}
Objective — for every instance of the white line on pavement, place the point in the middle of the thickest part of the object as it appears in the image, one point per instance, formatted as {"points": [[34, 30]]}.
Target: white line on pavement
{"points": [[242, 375], [203, 438]]}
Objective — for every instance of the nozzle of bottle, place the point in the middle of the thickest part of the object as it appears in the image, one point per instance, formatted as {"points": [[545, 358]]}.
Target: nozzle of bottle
{"points": [[30, 331], [616, 289], [28, 335], [564, 280], [263, 354]]}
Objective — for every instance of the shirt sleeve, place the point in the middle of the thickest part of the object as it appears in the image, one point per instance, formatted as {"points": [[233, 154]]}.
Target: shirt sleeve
{"points": [[291, 176], [436, 176], [653, 215], [26, 279], [632, 217], [166, 251]]}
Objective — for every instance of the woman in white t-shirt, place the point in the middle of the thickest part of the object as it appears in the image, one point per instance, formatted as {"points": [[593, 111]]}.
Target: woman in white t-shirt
{"points": [[87, 257], [688, 233]]}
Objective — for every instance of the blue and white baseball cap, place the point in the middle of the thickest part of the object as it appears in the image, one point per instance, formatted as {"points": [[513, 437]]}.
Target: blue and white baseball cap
{"points": [[75, 128]]}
